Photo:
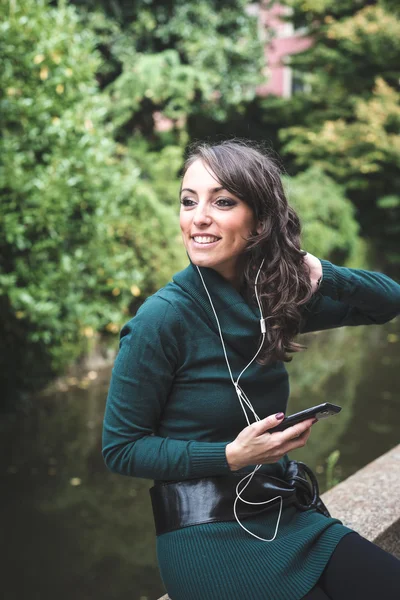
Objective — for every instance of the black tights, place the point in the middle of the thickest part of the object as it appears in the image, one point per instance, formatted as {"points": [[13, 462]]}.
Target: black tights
{"points": [[358, 570]]}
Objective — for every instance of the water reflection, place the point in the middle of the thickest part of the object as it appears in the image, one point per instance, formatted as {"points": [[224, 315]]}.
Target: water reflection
{"points": [[73, 528]]}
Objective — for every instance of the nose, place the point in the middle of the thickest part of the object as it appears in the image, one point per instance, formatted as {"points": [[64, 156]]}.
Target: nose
{"points": [[201, 215]]}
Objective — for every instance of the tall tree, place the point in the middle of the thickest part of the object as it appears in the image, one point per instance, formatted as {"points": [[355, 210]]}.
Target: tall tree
{"points": [[178, 57], [82, 236], [351, 118]]}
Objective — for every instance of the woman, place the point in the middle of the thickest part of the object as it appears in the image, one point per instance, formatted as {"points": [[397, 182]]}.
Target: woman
{"points": [[176, 411]]}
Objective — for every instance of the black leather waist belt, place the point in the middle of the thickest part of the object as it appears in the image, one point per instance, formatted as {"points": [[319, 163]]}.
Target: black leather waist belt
{"points": [[180, 504]]}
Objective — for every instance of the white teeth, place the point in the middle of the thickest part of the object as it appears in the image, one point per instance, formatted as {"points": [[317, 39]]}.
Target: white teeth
{"points": [[202, 239]]}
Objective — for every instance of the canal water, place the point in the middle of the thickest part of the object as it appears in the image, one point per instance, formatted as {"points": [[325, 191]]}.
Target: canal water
{"points": [[71, 529]]}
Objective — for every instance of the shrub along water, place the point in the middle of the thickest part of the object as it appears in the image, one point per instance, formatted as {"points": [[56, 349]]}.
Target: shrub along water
{"points": [[80, 230]]}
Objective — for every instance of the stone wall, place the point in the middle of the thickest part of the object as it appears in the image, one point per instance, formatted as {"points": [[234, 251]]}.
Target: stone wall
{"points": [[369, 501]]}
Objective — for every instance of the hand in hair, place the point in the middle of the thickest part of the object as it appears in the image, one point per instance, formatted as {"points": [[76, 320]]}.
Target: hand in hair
{"points": [[315, 269]]}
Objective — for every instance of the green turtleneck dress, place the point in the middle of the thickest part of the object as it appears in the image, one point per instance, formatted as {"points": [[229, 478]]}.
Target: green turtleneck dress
{"points": [[172, 409]]}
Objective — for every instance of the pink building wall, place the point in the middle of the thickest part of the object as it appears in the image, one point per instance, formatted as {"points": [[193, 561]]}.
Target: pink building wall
{"points": [[287, 40]]}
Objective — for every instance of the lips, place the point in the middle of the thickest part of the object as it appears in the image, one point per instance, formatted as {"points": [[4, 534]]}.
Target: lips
{"points": [[206, 235], [205, 244]]}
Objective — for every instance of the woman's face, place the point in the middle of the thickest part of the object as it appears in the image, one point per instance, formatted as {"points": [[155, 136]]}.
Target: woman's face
{"points": [[214, 222]]}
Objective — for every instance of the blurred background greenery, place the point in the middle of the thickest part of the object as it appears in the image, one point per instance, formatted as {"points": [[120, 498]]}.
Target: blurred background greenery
{"points": [[88, 181], [98, 100]]}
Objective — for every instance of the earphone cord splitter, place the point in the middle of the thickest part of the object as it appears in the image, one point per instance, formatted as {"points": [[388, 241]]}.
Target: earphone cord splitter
{"points": [[243, 399]]}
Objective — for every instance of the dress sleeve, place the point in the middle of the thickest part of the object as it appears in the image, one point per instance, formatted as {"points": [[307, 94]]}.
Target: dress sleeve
{"points": [[141, 380], [350, 297]]}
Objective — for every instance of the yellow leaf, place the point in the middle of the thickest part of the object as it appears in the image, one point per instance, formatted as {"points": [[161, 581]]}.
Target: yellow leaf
{"points": [[116, 292], [392, 338], [56, 57], [38, 59], [60, 88], [44, 73], [75, 481], [88, 332], [135, 291]]}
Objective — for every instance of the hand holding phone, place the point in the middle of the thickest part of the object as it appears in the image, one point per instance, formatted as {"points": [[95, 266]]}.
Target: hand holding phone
{"points": [[252, 447], [321, 411]]}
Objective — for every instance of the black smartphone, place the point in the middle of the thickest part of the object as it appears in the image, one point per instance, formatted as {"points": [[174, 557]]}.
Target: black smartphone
{"points": [[321, 411]]}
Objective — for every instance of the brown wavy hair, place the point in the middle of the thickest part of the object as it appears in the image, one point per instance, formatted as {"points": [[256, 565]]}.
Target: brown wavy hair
{"points": [[249, 171]]}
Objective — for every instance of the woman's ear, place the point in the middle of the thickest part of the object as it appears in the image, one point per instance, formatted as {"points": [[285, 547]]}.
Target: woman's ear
{"points": [[259, 227]]}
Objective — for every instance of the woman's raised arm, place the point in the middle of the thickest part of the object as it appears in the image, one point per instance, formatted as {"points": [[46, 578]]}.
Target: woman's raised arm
{"points": [[350, 297]]}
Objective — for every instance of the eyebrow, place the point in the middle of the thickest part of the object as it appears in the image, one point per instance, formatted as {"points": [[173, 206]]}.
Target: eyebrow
{"points": [[213, 190]]}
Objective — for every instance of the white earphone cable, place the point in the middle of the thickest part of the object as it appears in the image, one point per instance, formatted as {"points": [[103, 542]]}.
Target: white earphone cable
{"points": [[243, 399]]}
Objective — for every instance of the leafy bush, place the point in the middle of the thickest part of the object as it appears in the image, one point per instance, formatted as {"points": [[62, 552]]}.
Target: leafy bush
{"points": [[80, 231], [329, 226]]}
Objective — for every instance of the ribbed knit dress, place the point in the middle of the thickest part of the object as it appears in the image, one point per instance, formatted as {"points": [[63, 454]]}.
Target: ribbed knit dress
{"points": [[172, 409]]}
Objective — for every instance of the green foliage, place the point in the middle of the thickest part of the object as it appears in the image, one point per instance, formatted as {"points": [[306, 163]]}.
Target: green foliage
{"points": [[181, 58], [331, 461], [351, 115], [160, 167], [88, 184], [329, 226], [80, 229]]}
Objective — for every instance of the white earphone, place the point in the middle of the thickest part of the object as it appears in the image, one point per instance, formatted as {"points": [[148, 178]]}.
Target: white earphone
{"points": [[244, 399]]}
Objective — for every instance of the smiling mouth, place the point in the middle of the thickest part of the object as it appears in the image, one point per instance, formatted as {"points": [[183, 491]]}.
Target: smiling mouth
{"points": [[204, 241]]}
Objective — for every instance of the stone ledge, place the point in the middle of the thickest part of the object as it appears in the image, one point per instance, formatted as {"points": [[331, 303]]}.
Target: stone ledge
{"points": [[369, 502]]}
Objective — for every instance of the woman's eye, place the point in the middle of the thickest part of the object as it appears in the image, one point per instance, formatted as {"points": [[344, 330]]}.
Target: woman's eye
{"points": [[228, 201], [185, 202], [225, 202]]}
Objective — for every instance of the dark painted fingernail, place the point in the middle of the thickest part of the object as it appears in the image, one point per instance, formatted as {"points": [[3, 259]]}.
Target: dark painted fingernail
{"points": [[279, 416], [314, 421]]}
